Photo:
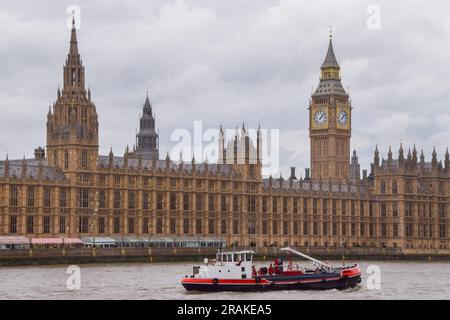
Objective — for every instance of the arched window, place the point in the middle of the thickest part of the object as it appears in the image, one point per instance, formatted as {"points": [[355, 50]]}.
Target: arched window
{"points": [[66, 159], [84, 159], [383, 187], [74, 77]]}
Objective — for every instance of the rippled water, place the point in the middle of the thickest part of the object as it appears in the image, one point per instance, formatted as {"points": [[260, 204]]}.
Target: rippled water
{"points": [[399, 280]]}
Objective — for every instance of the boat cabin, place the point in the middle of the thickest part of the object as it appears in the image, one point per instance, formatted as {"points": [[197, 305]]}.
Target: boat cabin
{"points": [[234, 257], [228, 265]]}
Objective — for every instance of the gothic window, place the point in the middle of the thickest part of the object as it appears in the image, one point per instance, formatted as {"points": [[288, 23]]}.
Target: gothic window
{"points": [[409, 209], [199, 201], [395, 229], [186, 202], [145, 201], [101, 225], [173, 225], [30, 224], [131, 199], [235, 204], [394, 187], [324, 228], [383, 230], [145, 225], [265, 228], [394, 209], [198, 226], [159, 201], [117, 199], [66, 159], [295, 207], [84, 198], [236, 226], [409, 230], [102, 199], [252, 227], [46, 224], [84, 159], [130, 225], [305, 206], [274, 227], [211, 226], [383, 187], [252, 204], [223, 203], [30, 196], [13, 224], [116, 225], [185, 226], [383, 210], [13, 196], [314, 206], [83, 225], [173, 201], [117, 181], [74, 77], [47, 197], [285, 205], [62, 198], [223, 226], [274, 205], [62, 224], [211, 203]]}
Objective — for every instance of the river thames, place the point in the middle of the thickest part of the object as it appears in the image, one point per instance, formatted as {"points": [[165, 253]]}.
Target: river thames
{"points": [[399, 280]]}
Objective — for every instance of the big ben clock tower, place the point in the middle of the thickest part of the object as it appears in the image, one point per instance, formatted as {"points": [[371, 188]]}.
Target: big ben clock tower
{"points": [[330, 123]]}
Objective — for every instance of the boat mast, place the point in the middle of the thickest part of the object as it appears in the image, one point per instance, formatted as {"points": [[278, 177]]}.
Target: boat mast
{"points": [[306, 257]]}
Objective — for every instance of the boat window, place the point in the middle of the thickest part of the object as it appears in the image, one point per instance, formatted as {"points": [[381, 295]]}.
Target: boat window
{"points": [[235, 257]]}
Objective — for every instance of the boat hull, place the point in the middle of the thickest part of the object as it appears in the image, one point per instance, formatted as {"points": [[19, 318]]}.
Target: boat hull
{"points": [[273, 283]]}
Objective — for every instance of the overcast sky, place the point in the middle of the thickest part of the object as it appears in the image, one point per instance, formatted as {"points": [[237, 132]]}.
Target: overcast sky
{"points": [[229, 61]]}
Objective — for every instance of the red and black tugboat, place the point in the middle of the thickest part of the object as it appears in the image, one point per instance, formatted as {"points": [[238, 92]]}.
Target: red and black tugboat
{"points": [[234, 271]]}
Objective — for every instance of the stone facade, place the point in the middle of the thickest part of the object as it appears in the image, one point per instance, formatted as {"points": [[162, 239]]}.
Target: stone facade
{"points": [[72, 191]]}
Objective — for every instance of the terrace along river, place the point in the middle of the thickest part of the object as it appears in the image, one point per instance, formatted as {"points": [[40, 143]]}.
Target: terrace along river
{"points": [[399, 280]]}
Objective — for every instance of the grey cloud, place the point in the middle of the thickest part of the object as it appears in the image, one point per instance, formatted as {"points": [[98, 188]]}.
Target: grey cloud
{"points": [[228, 62]]}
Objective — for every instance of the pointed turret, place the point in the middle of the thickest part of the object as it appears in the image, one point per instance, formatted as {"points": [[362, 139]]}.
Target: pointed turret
{"points": [[434, 162], [147, 137], [401, 156], [376, 157], [414, 155], [355, 168], [330, 75]]}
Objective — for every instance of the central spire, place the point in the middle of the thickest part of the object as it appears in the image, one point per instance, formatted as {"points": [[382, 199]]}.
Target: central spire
{"points": [[74, 70], [73, 40]]}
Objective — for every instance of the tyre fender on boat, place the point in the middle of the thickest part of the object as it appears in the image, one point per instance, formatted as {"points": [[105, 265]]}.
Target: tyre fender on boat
{"points": [[257, 279], [215, 281]]}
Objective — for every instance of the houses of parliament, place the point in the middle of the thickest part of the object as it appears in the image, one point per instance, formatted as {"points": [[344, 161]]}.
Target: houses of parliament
{"points": [[69, 190]]}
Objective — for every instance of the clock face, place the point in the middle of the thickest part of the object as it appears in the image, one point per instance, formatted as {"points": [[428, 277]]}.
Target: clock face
{"points": [[342, 118], [320, 118]]}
